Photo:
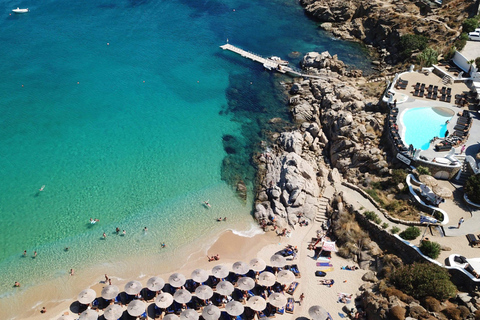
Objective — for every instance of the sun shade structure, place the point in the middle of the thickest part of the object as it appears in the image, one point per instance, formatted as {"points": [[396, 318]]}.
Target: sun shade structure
{"points": [[86, 296], [225, 288], [66, 317], [155, 284], [278, 261], [171, 316], [88, 314], [136, 308], [277, 300], [285, 276], [177, 280], [257, 264], [189, 314], [110, 292], [113, 312], [211, 312], [257, 303], [317, 313], [220, 271], [199, 275], [204, 292], [133, 287], [266, 279], [245, 283], [182, 296], [240, 267], [164, 300], [234, 308]]}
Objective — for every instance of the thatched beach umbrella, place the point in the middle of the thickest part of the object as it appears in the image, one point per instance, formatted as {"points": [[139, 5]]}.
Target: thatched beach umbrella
{"points": [[88, 314], [211, 312], [113, 312], [189, 314], [199, 275], [182, 296], [285, 276], [220, 271], [66, 317], [133, 287], [136, 308], [257, 264], [86, 296], [177, 280], [277, 300], [245, 283], [234, 308], [204, 292], [317, 313], [257, 303], [155, 284], [171, 316], [164, 300], [266, 279], [278, 261], [428, 180], [110, 292], [240, 267], [225, 288]]}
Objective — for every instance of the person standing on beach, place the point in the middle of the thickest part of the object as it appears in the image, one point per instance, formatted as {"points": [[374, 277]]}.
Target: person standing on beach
{"points": [[302, 296], [460, 222], [463, 149], [72, 272], [106, 278]]}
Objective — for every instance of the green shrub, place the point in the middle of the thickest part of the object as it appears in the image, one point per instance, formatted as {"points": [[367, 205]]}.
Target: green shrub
{"points": [[398, 176], [393, 206], [376, 185], [423, 279], [428, 57], [471, 188], [384, 225], [470, 24], [477, 62], [461, 41], [449, 53], [430, 249], [370, 215], [373, 193], [410, 233], [423, 170], [438, 215], [410, 43], [394, 229]]}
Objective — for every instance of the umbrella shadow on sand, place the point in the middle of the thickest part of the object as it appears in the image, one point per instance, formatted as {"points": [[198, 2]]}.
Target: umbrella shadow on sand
{"points": [[77, 307]]}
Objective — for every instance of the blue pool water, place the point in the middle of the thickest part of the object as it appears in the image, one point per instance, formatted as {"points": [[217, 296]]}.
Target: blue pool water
{"points": [[423, 124]]}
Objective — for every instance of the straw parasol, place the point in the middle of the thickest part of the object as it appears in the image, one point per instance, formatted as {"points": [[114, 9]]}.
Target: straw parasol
{"points": [[110, 292], [155, 284], [256, 303], [133, 287], [199, 275], [285, 277], [234, 308], [225, 288], [171, 316], [182, 296], [177, 280], [277, 300], [113, 312], [189, 314], [66, 317], [278, 261], [164, 300], [136, 308], [240, 267], [245, 283], [204, 292], [86, 296], [317, 313], [88, 314], [211, 312], [220, 271], [257, 264], [266, 279]]}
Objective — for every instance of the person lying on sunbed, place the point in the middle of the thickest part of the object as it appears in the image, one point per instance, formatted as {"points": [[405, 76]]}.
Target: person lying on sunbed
{"points": [[327, 282]]}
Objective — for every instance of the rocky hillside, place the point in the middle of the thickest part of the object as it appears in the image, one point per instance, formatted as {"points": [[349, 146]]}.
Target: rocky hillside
{"points": [[381, 23]]}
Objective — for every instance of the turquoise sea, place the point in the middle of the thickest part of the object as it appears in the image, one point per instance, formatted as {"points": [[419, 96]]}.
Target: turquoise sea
{"points": [[128, 111]]}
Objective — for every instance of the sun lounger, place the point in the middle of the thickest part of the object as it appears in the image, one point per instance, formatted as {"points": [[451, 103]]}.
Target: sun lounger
{"points": [[472, 240], [290, 306], [261, 315], [280, 310], [294, 269], [449, 98], [430, 88], [292, 287], [422, 87]]}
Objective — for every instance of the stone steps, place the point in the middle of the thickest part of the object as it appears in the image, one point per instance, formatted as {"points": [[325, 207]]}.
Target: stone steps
{"points": [[321, 214]]}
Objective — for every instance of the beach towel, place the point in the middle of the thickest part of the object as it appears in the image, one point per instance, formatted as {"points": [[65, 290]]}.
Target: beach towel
{"points": [[326, 269], [324, 264]]}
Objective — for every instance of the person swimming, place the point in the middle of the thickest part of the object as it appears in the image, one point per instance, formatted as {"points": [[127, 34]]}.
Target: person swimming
{"points": [[207, 203], [41, 189]]}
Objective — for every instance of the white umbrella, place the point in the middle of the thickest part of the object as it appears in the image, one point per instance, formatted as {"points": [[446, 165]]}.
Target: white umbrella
{"points": [[155, 284], [182, 296], [277, 300], [199, 275], [211, 312], [204, 292], [136, 308], [66, 317], [285, 277], [257, 264], [113, 312], [88, 314], [171, 316], [240, 267], [177, 280], [317, 313], [266, 279], [189, 314], [278, 261], [110, 292], [225, 288], [234, 308], [257, 303], [133, 287], [245, 283], [164, 300], [86, 296], [220, 271]]}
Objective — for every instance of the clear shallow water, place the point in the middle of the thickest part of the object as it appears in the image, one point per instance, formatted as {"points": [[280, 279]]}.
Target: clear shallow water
{"points": [[423, 124], [120, 109]]}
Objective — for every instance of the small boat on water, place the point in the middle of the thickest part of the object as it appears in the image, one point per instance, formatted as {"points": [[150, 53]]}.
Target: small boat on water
{"points": [[279, 60], [18, 10]]}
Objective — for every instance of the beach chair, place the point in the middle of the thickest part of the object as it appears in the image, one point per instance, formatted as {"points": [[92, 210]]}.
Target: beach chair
{"points": [[296, 272], [290, 306], [292, 287], [416, 93], [144, 315], [472, 240], [422, 87], [280, 310], [449, 98], [95, 304], [420, 94], [417, 86]]}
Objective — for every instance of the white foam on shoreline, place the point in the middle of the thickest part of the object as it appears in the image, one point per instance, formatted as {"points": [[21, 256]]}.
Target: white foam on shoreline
{"points": [[250, 233]]}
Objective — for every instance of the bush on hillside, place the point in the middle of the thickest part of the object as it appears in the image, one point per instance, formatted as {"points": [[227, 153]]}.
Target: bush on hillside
{"points": [[410, 43], [461, 41], [470, 24], [421, 280], [477, 63], [423, 170], [428, 57], [411, 233], [430, 249], [398, 176], [394, 229], [471, 188]]}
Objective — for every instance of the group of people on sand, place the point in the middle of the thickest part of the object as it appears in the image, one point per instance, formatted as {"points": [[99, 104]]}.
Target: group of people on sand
{"points": [[349, 268], [220, 219], [213, 258]]}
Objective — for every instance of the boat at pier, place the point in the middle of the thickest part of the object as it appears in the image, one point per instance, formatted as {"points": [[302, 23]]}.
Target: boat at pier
{"points": [[18, 10]]}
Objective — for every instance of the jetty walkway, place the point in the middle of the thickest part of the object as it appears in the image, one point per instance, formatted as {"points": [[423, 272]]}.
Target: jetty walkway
{"points": [[269, 63]]}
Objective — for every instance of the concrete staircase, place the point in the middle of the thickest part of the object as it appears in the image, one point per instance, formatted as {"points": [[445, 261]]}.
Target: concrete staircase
{"points": [[463, 175], [322, 211]]}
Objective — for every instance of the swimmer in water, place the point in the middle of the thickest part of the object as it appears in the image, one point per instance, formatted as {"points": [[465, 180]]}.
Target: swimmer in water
{"points": [[41, 189], [92, 221], [207, 204]]}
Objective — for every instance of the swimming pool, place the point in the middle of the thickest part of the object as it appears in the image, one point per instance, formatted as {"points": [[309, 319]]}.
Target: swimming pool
{"points": [[423, 124]]}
